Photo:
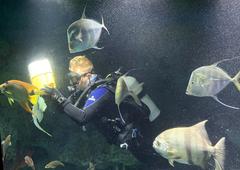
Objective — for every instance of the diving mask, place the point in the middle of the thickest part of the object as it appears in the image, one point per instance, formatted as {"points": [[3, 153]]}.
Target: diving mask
{"points": [[74, 79]]}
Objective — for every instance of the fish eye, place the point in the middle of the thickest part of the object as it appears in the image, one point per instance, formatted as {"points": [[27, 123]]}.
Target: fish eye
{"points": [[158, 143], [192, 82]]}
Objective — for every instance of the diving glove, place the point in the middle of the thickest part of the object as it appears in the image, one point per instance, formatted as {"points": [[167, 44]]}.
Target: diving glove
{"points": [[55, 94]]}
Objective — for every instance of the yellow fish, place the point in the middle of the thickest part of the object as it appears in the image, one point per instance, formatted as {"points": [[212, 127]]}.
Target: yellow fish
{"points": [[190, 145]]}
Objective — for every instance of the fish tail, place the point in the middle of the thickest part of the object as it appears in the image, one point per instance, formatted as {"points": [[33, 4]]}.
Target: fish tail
{"points": [[219, 154], [236, 80], [103, 25], [39, 127]]}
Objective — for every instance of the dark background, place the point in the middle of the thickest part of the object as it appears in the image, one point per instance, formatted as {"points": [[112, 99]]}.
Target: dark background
{"points": [[167, 39]]}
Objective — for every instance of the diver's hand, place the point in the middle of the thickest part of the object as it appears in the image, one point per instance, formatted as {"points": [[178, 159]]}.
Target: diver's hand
{"points": [[55, 94]]}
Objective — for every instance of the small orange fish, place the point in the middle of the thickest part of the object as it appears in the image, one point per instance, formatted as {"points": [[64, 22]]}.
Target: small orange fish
{"points": [[25, 94], [21, 92], [28, 160]]}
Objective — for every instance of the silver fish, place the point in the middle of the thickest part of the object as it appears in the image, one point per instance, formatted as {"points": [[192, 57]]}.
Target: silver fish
{"points": [[84, 34], [208, 81], [127, 86], [37, 113], [5, 144], [28, 160], [54, 164], [190, 145]]}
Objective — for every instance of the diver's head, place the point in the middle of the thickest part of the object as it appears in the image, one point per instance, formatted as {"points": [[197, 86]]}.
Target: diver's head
{"points": [[81, 71]]}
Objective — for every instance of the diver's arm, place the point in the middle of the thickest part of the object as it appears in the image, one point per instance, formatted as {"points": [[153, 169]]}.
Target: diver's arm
{"points": [[82, 116]]}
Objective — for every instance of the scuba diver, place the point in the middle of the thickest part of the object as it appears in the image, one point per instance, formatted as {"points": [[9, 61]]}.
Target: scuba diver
{"points": [[93, 100]]}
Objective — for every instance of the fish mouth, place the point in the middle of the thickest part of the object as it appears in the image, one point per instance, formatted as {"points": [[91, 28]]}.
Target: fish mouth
{"points": [[187, 92], [154, 144]]}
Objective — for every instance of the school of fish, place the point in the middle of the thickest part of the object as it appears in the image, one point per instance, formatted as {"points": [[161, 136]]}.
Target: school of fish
{"points": [[185, 145]]}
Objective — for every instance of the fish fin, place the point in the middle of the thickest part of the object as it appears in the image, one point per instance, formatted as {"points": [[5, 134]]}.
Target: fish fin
{"points": [[171, 162], [172, 154], [136, 99], [236, 80], [200, 127], [38, 126], [83, 14], [26, 107], [120, 114], [226, 59], [37, 112], [8, 92], [10, 101], [215, 98], [219, 154], [42, 104], [103, 25], [33, 99], [97, 48], [138, 88]]}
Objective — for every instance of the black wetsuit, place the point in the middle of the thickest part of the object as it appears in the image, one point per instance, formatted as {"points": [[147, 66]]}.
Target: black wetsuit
{"points": [[100, 108]]}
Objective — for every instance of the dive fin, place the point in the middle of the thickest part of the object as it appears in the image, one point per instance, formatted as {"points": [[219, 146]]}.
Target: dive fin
{"points": [[104, 26], [39, 127], [226, 59], [83, 14], [219, 154], [236, 80], [215, 98], [171, 162], [97, 48]]}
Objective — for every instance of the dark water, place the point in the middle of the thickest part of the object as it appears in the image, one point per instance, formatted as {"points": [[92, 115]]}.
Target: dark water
{"points": [[168, 38]]}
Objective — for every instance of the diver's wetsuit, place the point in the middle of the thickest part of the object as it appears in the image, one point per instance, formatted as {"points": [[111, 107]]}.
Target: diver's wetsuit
{"points": [[100, 108]]}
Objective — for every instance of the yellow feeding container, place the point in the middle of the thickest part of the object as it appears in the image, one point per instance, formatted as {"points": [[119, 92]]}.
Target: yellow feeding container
{"points": [[41, 74]]}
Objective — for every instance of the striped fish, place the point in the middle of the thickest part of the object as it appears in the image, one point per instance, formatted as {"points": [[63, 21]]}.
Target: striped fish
{"points": [[190, 145], [208, 81]]}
